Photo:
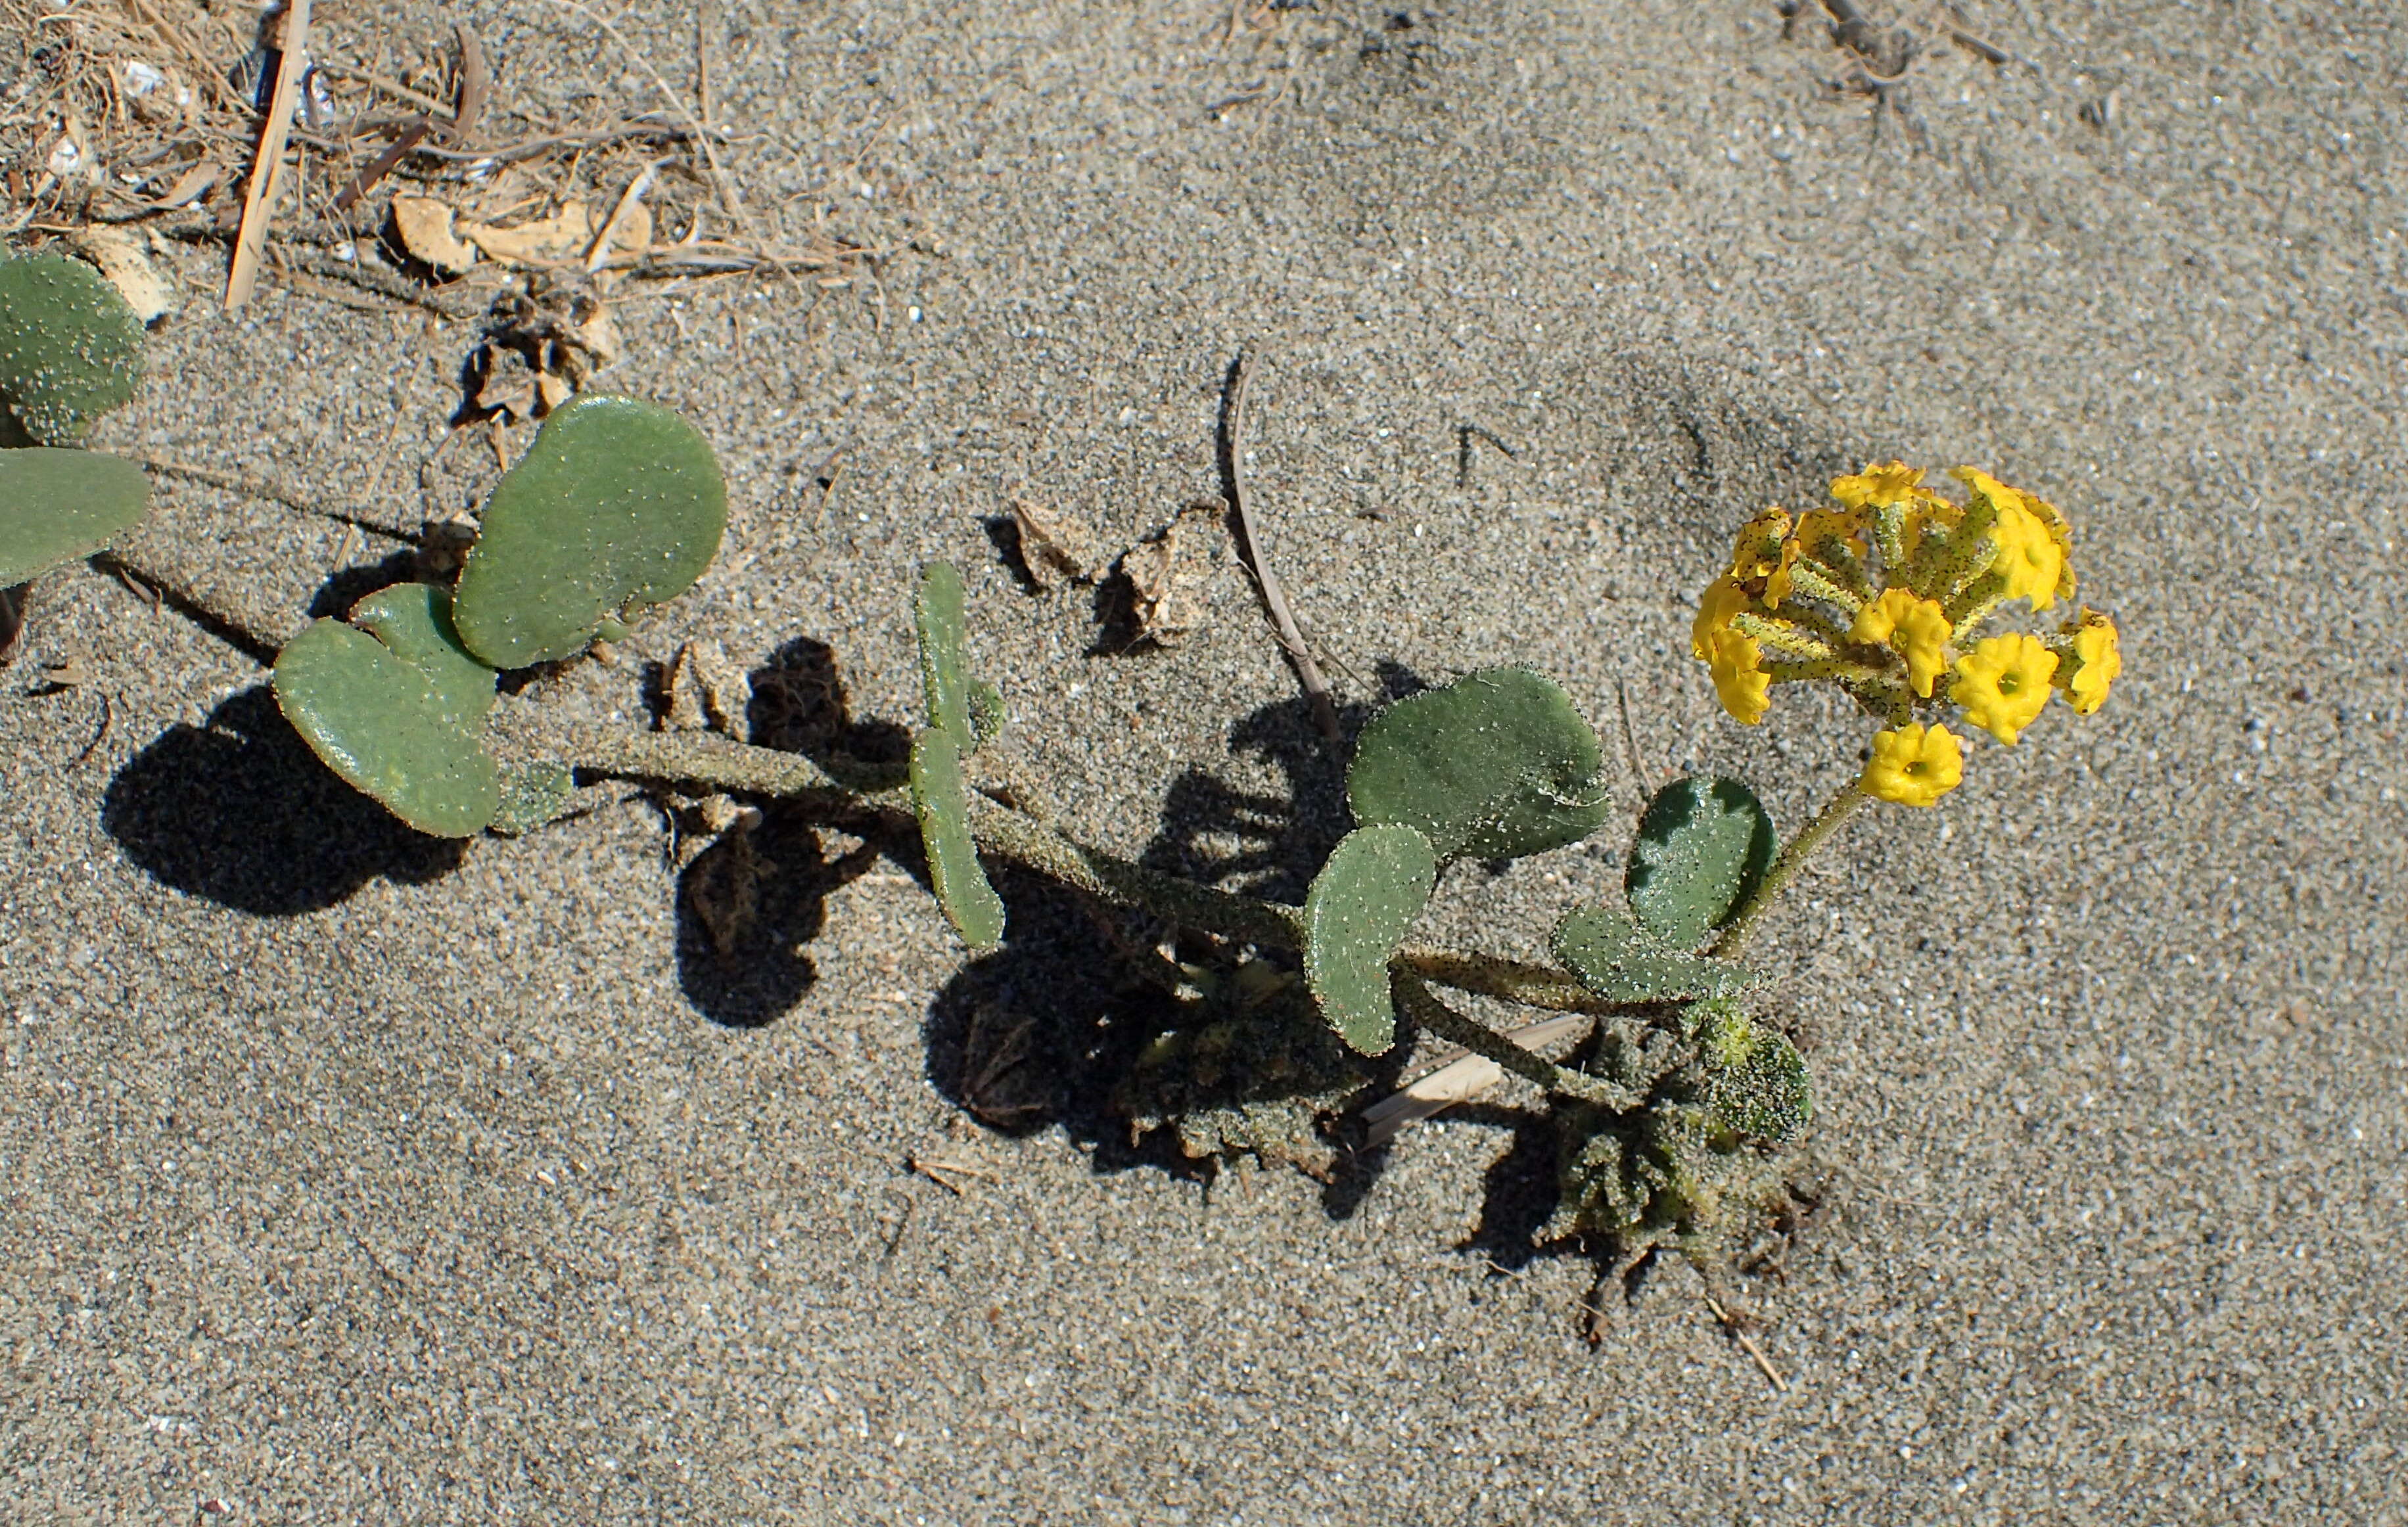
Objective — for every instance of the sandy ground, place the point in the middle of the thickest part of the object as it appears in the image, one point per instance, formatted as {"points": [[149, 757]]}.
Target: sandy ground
{"points": [[347, 1179]]}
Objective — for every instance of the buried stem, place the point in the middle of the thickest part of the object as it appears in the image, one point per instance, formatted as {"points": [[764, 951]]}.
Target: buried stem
{"points": [[1785, 869]]}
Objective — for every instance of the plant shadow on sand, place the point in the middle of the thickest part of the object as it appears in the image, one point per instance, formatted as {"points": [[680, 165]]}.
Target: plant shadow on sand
{"points": [[1154, 1049], [751, 903]]}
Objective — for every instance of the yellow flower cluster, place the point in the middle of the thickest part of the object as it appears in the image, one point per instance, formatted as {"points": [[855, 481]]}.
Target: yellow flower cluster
{"points": [[1885, 597]]}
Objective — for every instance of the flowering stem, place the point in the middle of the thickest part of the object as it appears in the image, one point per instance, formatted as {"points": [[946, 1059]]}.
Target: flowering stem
{"points": [[1785, 869]]}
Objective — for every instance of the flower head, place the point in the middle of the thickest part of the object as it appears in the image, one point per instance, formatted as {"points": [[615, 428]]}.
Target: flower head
{"points": [[1741, 678], [1891, 482], [2092, 659], [2003, 683], [1915, 627], [1914, 765]]}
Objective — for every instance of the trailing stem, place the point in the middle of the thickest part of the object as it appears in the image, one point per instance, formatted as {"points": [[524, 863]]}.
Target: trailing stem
{"points": [[1022, 838]]}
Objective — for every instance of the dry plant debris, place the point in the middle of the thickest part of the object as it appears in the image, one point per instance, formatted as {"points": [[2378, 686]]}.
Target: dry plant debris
{"points": [[404, 157], [1053, 545]]}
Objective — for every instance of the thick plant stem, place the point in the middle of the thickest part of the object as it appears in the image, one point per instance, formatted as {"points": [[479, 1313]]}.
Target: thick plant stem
{"points": [[1022, 838], [1785, 869], [1511, 980], [1425, 1010], [1025, 840], [695, 759]]}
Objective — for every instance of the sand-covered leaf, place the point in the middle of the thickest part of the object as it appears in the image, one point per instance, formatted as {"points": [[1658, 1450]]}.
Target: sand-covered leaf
{"points": [[70, 347], [987, 713], [1622, 962], [382, 722], [56, 506], [532, 795], [944, 670], [1754, 1082], [1703, 846], [618, 504], [941, 801], [1497, 764], [1362, 904]]}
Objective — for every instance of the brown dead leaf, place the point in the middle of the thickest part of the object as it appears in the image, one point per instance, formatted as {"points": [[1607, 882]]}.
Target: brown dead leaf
{"points": [[707, 688], [1053, 545], [564, 236], [193, 184], [509, 384], [1154, 568], [426, 227], [125, 260]]}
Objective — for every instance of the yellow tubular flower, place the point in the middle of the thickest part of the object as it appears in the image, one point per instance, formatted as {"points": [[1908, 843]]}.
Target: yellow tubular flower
{"points": [[1915, 626], [2003, 683], [1757, 552], [1891, 482], [1723, 599], [1930, 516], [1739, 675], [1914, 765], [1776, 584], [1982, 485], [1815, 526], [2097, 659], [2029, 556]]}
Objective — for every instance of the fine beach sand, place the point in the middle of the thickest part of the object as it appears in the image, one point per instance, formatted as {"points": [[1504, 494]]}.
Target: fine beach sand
{"points": [[347, 1179]]}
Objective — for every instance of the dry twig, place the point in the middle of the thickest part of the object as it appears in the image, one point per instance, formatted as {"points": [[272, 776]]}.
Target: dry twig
{"points": [[267, 168], [1233, 458]]}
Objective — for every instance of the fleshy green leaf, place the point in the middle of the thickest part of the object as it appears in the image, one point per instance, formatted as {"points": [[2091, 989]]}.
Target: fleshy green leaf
{"points": [[1703, 846], [386, 725], [1497, 764], [532, 795], [1361, 906], [618, 504], [1622, 962], [1755, 1082], [70, 347], [943, 806], [944, 671], [56, 506], [414, 622]]}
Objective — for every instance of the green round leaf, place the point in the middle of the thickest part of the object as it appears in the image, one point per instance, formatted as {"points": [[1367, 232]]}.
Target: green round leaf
{"points": [[1361, 906], [1497, 764], [1703, 846], [56, 506], [944, 672], [390, 727], [942, 804], [414, 622], [1622, 962], [618, 504], [70, 347]]}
